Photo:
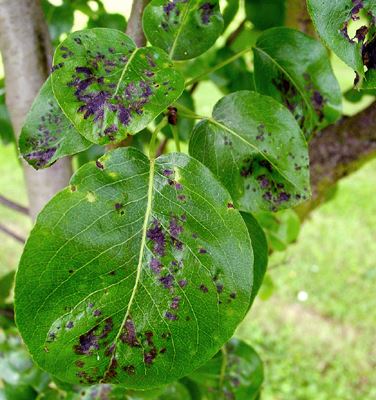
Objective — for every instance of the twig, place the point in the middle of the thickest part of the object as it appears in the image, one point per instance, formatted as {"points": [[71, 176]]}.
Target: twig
{"points": [[134, 27], [231, 39], [162, 147], [12, 234], [13, 205]]}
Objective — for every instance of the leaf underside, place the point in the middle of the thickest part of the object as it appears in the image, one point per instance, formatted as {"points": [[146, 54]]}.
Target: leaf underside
{"points": [[255, 147], [184, 28], [138, 272], [47, 134], [108, 88]]}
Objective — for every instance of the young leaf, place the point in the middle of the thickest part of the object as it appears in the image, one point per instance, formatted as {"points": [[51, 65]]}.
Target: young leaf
{"points": [[47, 134], [184, 28], [332, 20], [260, 252], [119, 266], [236, 373], [108, 88], [255, 147], [305, 84]]}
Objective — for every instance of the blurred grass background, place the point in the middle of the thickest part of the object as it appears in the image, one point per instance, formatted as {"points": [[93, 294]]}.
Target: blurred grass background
{"points": [[316, 334]]}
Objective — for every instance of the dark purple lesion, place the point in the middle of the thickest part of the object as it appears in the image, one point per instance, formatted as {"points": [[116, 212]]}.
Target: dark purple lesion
{"points": [[128, 335], [357, 7], [157, 236], [207, 11]]}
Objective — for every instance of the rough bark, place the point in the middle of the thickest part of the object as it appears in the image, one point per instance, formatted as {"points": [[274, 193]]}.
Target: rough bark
{"points": [[338, 151], [134, 28], [26, 50]]}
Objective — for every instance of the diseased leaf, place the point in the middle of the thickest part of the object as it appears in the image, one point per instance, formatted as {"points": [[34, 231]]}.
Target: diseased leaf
{"points": [[260, 252], [47, 134], [237, 373], [108, 88], [370, 80], [119, 266], [255, 147], [265, 14], [184, 28], [332, 20], [295, 69]]}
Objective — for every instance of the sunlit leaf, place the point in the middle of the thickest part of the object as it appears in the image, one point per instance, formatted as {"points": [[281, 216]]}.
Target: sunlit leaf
{"points": [[255, 147], [108, 88], [184, 28], [119, 266]]}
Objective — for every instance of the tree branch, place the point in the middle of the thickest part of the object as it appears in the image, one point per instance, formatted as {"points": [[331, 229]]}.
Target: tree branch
{"points": [[134, 27], [26, 49], [13, 205], [338, 151], [12, 234]]}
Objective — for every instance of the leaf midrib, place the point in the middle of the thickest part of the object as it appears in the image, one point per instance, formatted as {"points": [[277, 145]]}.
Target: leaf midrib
{"points": [[279, 66], [178, 33], [140, 258]]}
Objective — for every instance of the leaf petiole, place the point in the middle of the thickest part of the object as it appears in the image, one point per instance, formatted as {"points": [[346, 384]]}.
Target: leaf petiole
{"points": [[153, 140], [199, 77]]}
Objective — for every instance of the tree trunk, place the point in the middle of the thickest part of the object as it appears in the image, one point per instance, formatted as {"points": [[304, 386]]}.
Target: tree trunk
{"points": [[26, 50]]}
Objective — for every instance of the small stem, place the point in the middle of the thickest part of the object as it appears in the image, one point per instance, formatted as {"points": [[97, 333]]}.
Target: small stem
{"points": [[231, 39], [162, 147], [175, 134], [218, 66], [223, 367], [187, 112], [153, 140]]}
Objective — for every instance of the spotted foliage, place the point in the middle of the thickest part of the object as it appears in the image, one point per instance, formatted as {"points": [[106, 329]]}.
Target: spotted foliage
{"points": [[47, 134], [119, 266], [255, 147], [108, 88], [184, 28]]}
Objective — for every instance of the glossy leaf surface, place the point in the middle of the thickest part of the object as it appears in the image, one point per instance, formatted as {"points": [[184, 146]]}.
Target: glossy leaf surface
{"points": [[234, 374], [119, 265], [295, 69], [108, 88], [184, 28], [332, 20], [255, 147], [47, 134]]}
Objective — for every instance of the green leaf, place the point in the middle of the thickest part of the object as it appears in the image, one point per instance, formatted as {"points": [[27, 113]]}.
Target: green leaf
{"points": [[265, 14], [370, 81], [260, 252], [47, 134], [119, 266], [236, 373], [184, 28], [230, 11], [305, 84], [6, 129], [255, 147], [108, 88], [6, 285], [282, 228], [332, 20], [106, 20]]}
